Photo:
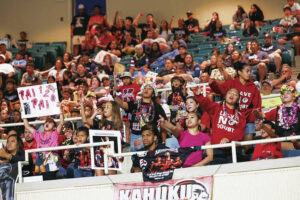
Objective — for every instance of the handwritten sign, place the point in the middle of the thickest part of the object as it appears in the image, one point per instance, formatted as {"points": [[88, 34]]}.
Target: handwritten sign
{"points": [[39, 100]]}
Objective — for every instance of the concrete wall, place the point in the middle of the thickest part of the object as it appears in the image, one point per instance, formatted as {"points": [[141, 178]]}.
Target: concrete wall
{"points": [[41, 19], [260, 180]]}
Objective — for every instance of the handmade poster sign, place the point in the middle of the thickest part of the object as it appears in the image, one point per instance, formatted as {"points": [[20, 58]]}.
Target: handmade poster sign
{"points": [[39, 100], [97, 153]]}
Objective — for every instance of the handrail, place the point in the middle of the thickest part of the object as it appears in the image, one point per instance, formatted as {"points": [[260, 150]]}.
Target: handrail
{"points": [[27, 152], [233, 145], [38, 122]]}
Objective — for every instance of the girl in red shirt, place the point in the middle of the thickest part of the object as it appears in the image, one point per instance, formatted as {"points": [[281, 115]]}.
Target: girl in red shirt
{"points": [[250, 98], [228, 123]]}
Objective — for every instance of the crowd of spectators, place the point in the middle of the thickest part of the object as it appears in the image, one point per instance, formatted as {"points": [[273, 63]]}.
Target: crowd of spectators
{"points": [[92, 82]]}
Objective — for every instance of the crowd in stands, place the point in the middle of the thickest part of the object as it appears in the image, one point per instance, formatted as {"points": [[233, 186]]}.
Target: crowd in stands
{"points": [[96, 81]]}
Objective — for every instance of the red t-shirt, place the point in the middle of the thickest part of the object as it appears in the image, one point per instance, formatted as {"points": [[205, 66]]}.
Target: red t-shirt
{"points": [[250, 98], [129, 92], [225, 124], [267, 151], [106, 40]]}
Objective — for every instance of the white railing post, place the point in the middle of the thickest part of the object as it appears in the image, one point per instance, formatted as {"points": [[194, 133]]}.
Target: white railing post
{"points": [[233, 151], [105, 164]]}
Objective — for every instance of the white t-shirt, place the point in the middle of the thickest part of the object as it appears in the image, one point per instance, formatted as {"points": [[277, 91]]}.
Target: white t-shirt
{"points": [[6, 68], [164, 34], [295, 7], [290, 21], [54, 71]]}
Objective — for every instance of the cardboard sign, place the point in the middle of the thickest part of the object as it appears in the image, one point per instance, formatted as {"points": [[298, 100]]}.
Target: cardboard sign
{"points": [[197, 188], [39, 100], [97, 153]]}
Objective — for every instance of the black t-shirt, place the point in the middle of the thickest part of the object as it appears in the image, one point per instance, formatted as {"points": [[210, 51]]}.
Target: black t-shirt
{"points": [[178, 58], [131, 30], [209, 69], [136, 160], [191, 24], [290, 36], [217, 34], [11, 97], [145, 28], [143, 113], [180, 33], [108, 125], [80, 23], [83, 77]]}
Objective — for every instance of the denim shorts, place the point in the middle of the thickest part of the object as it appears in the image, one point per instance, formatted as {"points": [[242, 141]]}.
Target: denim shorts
{"points": [[250, 128]]}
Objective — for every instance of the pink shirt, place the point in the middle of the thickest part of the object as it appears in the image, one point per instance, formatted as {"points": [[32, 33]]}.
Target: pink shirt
{"points": [[187, 140], [43, 140]]}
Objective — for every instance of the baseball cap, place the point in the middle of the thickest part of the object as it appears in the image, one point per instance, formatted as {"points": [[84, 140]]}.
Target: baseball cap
{"points": [[268, 35], [2, 56], [189, 12], [81, 6], [266, 81], [126, 74]]}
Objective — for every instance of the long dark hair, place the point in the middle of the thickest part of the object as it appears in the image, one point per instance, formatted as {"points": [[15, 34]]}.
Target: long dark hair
{"points": [[167, 27], [258, 10], [20, 147], [240, 11], [198, 110]]}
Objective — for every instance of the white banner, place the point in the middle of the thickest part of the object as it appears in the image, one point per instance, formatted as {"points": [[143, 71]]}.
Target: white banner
{"points": [[39, 100]]}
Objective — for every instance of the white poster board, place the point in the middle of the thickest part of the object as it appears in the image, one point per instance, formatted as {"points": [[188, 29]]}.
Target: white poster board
{"points": [[97, 153], [39, 100]]}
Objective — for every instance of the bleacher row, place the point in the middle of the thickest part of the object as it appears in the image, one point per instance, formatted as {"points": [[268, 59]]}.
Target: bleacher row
{"points": [[199, 46], [44, 53]]}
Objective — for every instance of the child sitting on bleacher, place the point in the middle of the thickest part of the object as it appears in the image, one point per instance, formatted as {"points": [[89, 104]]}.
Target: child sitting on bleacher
{"points": [[268, 150]]}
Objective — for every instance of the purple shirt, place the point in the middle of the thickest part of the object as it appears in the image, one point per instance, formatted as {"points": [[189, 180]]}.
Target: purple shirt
{"points": [[43, 140], [187, 140], [260, 55]]}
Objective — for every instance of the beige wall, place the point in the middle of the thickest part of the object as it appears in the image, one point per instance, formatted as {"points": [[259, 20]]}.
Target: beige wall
{"points": [[164, 9], [39, 18]]}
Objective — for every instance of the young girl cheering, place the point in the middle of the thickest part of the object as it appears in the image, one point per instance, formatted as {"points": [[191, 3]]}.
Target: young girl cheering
{"points": [[189, 138], [110, 120], [228, 124], [46, 161], [250, 98]]}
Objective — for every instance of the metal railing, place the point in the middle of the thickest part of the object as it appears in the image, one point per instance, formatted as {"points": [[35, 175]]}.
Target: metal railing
{"points": [[232, 145], [27, 152]]}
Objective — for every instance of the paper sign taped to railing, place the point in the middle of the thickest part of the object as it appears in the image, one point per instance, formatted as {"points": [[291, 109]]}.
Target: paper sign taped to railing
{"points": [[181, 189], [39, 100]]}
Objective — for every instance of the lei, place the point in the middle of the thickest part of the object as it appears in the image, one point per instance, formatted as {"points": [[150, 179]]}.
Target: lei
{"points": [[235, 118], [284, 120]]}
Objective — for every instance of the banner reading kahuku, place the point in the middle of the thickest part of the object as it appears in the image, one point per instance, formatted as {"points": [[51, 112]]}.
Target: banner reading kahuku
{"points": [[180, 189], [39, 100]]}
